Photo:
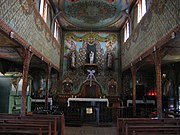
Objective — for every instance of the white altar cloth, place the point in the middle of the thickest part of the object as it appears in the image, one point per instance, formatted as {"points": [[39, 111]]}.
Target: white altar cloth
{"points": [[88, 99]]}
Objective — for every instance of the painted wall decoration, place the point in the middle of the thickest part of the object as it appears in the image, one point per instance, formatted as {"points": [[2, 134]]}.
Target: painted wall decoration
{"points": [[93, 13], [160, 11], [90, 51], [34, 32]]}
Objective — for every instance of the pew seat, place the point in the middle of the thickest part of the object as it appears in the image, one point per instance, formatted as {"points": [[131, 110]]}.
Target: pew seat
{"points": [[136, 126], [37, 123]]}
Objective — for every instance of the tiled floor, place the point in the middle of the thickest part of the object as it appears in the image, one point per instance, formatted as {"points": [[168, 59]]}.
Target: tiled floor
{"points": [[90, 130]]}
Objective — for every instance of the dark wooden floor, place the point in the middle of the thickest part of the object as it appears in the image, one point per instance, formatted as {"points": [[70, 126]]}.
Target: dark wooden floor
{"points": [[90, 130]]}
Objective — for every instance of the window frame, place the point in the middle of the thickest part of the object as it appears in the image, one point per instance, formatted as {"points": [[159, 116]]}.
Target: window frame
{"points": [[126, 30], [142, 9], [56, 33]]}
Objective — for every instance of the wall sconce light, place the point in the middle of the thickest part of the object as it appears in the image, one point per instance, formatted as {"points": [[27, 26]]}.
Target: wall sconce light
{"points": [[173, 35], [164, 75], [154, 49], [12, 34], [140, 59]]}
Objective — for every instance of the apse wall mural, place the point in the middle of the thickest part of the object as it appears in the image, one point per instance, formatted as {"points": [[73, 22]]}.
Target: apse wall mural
{"points": [[90, 56]]}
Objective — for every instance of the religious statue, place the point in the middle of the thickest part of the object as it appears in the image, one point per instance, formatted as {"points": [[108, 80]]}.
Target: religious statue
{"points": [[109, 60], [91, 57], [73, 59]]}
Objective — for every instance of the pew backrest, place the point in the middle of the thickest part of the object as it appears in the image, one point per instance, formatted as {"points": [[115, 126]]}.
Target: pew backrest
{"points": [[125, 125]]}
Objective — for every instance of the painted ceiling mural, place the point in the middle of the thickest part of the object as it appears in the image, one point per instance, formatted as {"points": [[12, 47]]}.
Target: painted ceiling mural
{"points": [[77, 49], [92, 14]]}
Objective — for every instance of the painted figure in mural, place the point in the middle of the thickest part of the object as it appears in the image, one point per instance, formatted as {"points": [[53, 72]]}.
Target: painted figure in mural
{"points": [[70, 45], [90, 40], [73, 45], [111, 1], [110, 45], [73, 59], [109, 60], [91, 57]]}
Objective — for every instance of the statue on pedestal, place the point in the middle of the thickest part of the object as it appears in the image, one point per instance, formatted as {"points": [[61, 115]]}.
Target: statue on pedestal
{"points": [[73, 59], [109, 60], [91, 57]]}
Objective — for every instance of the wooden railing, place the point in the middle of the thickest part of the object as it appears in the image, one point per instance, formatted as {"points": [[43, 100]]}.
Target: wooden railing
{"points": [[32, 124], [134, 126], [106, 115]]}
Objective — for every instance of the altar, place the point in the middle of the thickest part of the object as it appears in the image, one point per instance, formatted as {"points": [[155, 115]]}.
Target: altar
{"points": [[93, 101], [87, 110]]}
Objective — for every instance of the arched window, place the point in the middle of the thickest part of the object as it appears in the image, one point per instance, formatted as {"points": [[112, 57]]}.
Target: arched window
{"points": [[141, 9], [56, 30], [43, 9], [126, 31]]}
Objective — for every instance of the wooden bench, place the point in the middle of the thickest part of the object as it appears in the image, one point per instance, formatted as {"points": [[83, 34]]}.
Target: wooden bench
{"points": [[19, 126], [17, 129], [56, 126], [23, 124], [128, 126]]}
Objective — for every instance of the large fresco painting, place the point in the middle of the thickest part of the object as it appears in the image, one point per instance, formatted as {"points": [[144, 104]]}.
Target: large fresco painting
{"points": [[93, 13], [90, 51]]}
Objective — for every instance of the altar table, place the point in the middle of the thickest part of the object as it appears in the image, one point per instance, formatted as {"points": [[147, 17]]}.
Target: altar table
{"points": [[88, 100]]}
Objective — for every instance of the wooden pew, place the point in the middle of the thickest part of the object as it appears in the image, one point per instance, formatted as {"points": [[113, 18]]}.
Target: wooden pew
{"points": [[19, 129], [128, 126], [23, 126], [57, 121], [58, 124]]}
